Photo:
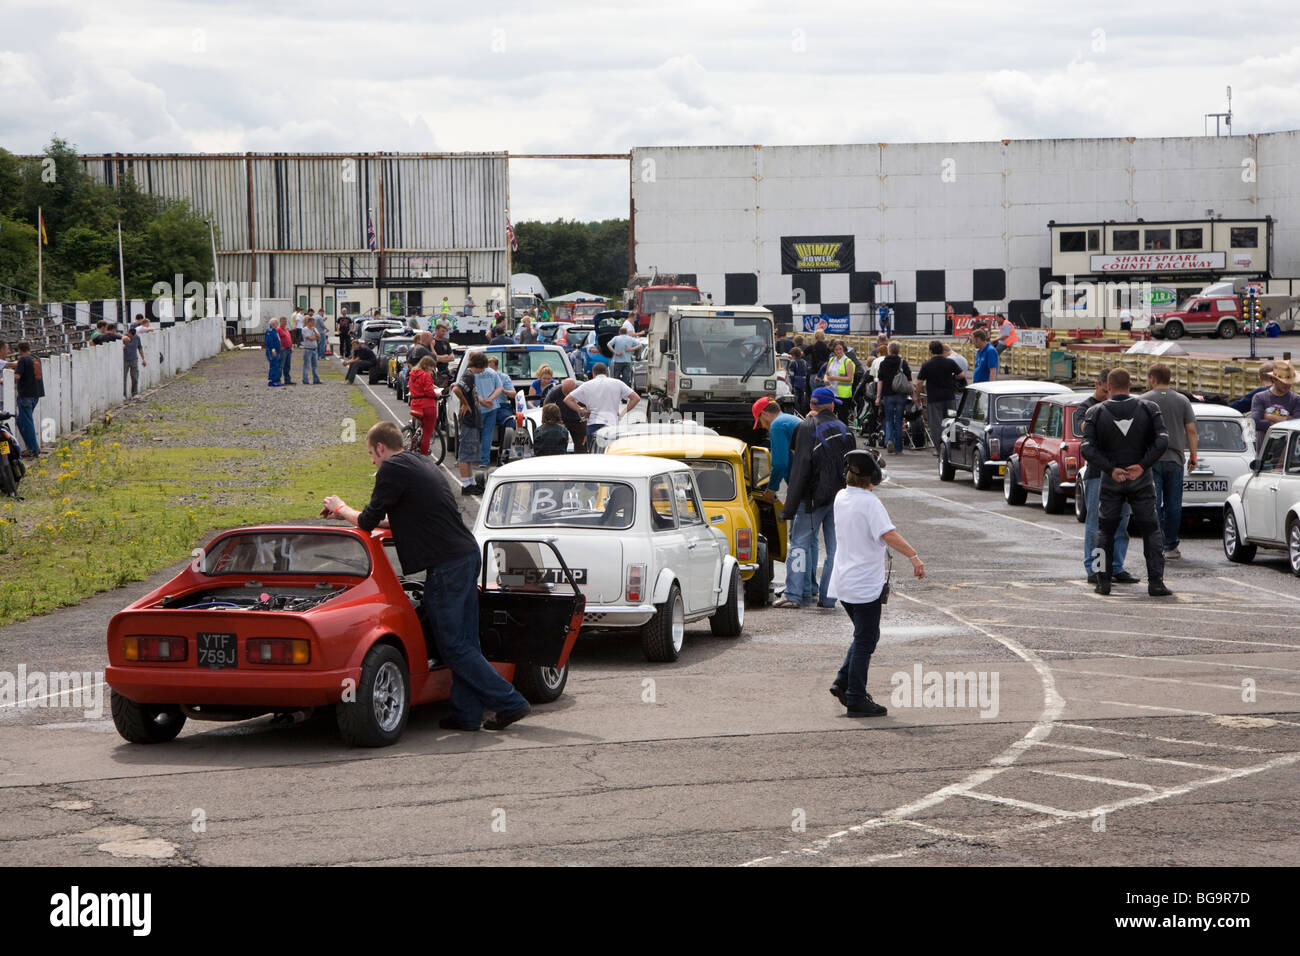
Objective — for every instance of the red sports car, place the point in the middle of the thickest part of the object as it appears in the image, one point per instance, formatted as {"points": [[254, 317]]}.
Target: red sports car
{"points": [[286, 619]]}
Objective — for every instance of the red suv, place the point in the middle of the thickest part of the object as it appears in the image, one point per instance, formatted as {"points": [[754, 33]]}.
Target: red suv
{"points": [[1046, 458]]}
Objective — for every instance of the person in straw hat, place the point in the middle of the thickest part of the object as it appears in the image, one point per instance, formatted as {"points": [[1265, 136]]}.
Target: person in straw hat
{"points": [[1277, 404]]}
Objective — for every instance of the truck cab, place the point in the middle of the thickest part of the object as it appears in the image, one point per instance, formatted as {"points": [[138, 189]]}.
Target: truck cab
{"points": [[647, 300], [711, 362]]}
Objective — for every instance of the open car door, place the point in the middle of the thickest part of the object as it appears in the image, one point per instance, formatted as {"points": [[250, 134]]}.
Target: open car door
{"points": [[530, 605]]}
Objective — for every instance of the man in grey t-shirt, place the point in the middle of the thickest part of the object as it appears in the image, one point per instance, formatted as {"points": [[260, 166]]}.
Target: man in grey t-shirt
{"points": [[1180, 420]]}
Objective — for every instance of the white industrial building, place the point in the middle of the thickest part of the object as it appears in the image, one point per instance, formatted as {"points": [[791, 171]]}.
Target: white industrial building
{"points": [[960, 223]]}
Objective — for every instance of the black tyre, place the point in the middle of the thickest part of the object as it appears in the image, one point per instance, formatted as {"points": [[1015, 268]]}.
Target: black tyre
{"points": [[759, 585], [377, 717], [1080, 505], [1236, 551], [8, 486], [946, 471], [664, 634], [541, 685], [437, 446], [1053, 497], [1012, 490], [729, 620], [145, 723], [506, 452], [1293, 545], [1173, 330], [1227, 329]]}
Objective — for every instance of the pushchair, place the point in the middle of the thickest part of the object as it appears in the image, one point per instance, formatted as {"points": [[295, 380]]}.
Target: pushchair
{"points": [[916, 433], [867, 418]]}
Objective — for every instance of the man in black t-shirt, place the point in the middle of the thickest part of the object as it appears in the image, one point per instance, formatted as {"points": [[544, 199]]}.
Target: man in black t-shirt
{"points": [[31, 389], [442, 354], [415, 500], [569, 417], [363, 361], [937, 382]]}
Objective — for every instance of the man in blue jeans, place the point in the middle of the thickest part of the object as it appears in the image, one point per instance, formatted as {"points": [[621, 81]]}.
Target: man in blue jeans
{"points": [[1180, 421], [415, 500], [816, 475], [1092, 501], [31, 389]]}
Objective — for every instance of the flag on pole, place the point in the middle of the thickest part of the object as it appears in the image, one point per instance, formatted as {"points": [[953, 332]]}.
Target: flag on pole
{"points": [[41, 217], [510, 234], [371, 241]]}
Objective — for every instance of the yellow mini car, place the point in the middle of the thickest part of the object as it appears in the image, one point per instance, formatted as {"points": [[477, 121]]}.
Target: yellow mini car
{"points": [[732, 479]]}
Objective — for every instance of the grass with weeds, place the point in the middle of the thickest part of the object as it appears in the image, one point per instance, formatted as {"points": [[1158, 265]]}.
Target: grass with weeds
{"points": [[100, 512]]}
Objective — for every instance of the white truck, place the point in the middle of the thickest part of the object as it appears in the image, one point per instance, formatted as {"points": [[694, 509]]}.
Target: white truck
{"points": [[711, 362]]}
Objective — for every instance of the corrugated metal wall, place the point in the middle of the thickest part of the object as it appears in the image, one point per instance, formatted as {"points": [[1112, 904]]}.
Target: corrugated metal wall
{"points": [[957, 207], [305, 206]]}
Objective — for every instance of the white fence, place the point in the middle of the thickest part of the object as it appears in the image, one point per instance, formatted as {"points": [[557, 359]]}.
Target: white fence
{"points": [[80, 386]]}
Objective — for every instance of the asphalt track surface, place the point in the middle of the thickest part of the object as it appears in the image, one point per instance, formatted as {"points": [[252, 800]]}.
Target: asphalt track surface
{"points": [[1125, 730]]}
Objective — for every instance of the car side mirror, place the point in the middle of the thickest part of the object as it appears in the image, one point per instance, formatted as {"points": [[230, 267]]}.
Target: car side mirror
{"points": [[663, 345], [1257, 465]]}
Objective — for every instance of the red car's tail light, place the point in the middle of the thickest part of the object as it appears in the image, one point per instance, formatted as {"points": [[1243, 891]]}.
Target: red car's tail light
{"points": [[744, 544], [152, 648], [278, 650], [1071, 467], [635, 581]]}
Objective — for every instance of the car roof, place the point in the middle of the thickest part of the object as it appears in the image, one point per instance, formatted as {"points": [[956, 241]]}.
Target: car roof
{"points": [[1291, 426], [588, 466], [1065, 398], [1211, 410], [673, 443], [1016, 386]]}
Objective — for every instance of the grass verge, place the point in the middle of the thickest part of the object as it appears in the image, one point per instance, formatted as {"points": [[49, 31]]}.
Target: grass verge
{"points": [[99, 513]]}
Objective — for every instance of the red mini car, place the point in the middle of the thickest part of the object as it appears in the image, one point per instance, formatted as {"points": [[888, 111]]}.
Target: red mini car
{"points": [[1046, 459], [286, 619]]}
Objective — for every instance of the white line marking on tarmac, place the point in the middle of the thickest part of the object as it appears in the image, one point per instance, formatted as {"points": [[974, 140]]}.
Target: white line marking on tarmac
{"points": [[1124, 703], [1100, 752], [1053, 707], [988, 511], [1289, 597], [1021, 804], [1166, 740], [1108, 781], [1167, 637], [1097, 607], [1235, 688], [1170, 658]]}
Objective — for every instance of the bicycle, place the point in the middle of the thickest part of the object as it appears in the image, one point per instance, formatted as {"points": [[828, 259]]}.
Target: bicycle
{"points": [[413, 433]]}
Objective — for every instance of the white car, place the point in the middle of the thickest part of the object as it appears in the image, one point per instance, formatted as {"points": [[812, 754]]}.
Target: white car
{"points": [[1225, 449], [1263, 510], [632, 531]]}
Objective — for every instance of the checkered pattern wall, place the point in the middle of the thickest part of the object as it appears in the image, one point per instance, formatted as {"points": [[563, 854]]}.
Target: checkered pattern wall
{"points": [[918, 298]]}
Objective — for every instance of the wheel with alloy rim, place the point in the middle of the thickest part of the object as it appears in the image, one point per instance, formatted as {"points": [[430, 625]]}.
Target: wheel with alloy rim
{"points": [[1227, 329], [541, 685], [377, 716], [729, 620], [1237, 551], [946, 471], [1173, 330], [664, 634], [1080, 505], [1012, 490]]}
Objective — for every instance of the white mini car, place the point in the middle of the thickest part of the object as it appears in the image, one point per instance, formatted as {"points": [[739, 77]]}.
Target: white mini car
{"points": [[1226, 447], [634, 535], [1263, 510]]}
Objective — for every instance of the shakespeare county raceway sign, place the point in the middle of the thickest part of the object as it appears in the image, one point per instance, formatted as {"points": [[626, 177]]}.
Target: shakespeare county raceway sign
{"points": [[1159, 262], [816, 254]]}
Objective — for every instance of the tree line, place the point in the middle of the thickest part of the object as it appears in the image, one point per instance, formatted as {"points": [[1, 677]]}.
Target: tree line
{"points": [[160, 237], [569, 256]]}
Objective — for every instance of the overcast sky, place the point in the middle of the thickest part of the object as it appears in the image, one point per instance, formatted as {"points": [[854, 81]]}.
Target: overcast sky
{"points": [[559, 76]]}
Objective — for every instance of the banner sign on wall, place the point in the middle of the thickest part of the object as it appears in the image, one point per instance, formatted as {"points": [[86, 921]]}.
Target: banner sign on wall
{"points": [[1159, 262], [816, 254], [832, 324]]}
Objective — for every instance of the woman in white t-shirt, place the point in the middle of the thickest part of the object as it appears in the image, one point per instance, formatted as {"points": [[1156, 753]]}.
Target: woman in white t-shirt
{"points": [[864, 532]]}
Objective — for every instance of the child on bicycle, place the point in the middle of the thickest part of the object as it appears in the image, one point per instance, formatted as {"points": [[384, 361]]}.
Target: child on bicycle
{"points": [[424, 402]]}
